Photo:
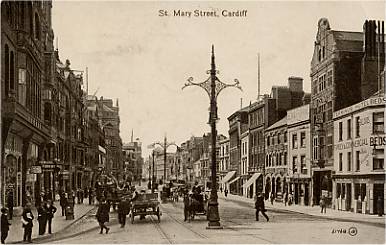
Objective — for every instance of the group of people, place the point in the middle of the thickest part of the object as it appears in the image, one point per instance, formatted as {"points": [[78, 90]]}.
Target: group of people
{"points": [[103, 212]]}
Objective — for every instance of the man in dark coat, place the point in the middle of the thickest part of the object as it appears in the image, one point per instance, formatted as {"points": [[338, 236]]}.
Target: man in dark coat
{"points": [[51, 209], [42, 218], [63, 203], [4, 225], [103, 215], [27, 218], [186, 206], [122, 212], [10, 204], [260, 207]]}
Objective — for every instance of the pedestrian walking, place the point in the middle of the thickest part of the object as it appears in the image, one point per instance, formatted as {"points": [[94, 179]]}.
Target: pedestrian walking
{"points": [[27, 218], [123, 210], [103, 215], [51, 209], [380, 206], [272, 197], [226, 192], [90, 196], [323, 204], [4, 225], [10, 204], [63, 202], [285, 198], [186, 206], [42, 218], [260, 206], [290, 199]]}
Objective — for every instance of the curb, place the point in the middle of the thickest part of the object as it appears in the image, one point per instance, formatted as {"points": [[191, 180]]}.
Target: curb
{"points": [[37, 239], [377, 224]]}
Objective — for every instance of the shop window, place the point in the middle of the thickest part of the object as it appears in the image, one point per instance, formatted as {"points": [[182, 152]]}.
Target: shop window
{"points": [[357, 191], [378, 123], [363, 191], [338, 190]]}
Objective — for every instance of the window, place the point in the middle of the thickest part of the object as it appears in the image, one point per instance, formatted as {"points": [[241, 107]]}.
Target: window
{"points": [[303, 139], [378, 123], [349, 161], [37, 27], [329, 78], [294, 167], [357, 165], [349, 129], [268, 140], [357, 126], [278, 138], [294, 141], [340, 161], [285, 137], [6, 66], [378, 160], [303, 164], [315, 149], [12, 71], [340, 131], [22, 87], [285, 158]]}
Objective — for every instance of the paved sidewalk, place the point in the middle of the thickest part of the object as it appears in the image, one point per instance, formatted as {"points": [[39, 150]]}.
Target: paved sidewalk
{"points": [[315, 211], [59, 222]]}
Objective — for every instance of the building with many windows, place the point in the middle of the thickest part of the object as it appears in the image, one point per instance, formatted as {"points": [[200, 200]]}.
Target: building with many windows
{"points": [[299, 155], [276, 163], [223, 161], [359, 156]]}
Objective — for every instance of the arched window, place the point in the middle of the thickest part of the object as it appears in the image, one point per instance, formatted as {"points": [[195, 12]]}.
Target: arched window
{"points": [[6, 67], [37, 27]]}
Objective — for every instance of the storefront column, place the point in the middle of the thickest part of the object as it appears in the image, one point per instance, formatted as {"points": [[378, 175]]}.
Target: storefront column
{"points": [[370, 199]]}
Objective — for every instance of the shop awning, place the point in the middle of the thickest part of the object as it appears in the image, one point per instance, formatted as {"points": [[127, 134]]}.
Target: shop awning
{"points": [[228, 177], [234, 180], [251, 180]]}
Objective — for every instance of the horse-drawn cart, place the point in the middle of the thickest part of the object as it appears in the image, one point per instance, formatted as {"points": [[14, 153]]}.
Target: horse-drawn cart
{"points": [[145, 204], [197, 205]]}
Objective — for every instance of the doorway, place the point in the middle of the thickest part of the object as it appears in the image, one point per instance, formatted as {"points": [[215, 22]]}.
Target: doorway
{"points": [[378, 192]]}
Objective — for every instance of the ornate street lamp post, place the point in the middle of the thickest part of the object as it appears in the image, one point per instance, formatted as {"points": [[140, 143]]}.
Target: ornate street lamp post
{"points": [[213, 86]]}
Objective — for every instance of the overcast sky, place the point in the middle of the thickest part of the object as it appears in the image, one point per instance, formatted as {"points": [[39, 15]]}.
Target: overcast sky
{"points": [[143, 60]]}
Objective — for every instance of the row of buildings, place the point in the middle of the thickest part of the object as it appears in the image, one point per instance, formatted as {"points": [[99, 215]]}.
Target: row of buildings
{"points": [[54, 136], [329, 142]]}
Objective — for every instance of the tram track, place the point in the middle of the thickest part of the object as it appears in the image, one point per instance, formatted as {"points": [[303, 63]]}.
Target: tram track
{"points": [[240, 230], [185, 226], [158, 227]]}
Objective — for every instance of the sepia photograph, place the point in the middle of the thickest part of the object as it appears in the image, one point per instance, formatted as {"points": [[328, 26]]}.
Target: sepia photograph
{"points": [[193, 122]]}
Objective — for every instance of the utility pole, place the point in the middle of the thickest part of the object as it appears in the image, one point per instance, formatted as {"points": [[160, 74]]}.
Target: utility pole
{"points": [[213, 86]]}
